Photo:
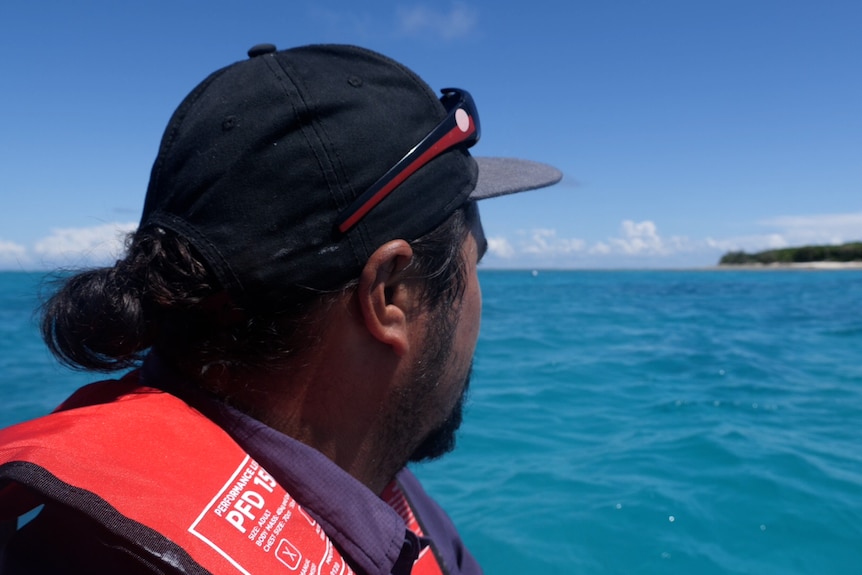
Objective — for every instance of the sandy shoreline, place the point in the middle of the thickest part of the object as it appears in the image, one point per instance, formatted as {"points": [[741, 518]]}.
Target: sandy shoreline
{"points": [[856, 265]]}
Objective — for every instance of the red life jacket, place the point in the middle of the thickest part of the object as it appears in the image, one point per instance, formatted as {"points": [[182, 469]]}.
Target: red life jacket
{"points": [[130, 458]]}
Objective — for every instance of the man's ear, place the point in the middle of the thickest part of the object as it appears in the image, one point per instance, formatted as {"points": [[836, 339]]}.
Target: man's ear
{"points": [[383, 295]]}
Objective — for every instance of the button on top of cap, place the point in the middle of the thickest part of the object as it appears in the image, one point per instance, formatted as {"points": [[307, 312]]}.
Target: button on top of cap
{"points": [[261, 49]]}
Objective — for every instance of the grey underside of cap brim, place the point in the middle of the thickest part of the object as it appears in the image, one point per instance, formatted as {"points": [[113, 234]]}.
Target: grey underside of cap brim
{"points": [[500, 176]]}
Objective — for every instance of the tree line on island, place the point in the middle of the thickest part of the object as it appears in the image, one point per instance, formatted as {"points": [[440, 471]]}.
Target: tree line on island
{"points": [[848, 252]]}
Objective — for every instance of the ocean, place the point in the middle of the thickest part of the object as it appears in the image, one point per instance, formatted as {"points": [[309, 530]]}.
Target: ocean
{"points": [[626, 421]]}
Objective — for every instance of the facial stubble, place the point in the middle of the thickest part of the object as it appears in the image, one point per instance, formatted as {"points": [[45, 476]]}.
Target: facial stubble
{"points": [[419, 401]]}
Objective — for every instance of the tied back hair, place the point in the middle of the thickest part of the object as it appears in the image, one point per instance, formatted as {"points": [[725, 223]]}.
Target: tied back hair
{"points": [[161, 296], [105, 318]]}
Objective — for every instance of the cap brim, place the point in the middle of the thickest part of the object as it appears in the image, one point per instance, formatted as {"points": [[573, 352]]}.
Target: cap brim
{"points": [[501, 176]]}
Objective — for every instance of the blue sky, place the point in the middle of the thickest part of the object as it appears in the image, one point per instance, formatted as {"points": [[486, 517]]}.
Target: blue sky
{"points": [[684, 128]]}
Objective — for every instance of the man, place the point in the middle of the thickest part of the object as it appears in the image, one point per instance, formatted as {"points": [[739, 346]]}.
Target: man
{"points": [[299, 307]]}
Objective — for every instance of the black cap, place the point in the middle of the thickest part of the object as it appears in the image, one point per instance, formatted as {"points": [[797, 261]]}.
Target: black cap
{"points": [[258, 161]]}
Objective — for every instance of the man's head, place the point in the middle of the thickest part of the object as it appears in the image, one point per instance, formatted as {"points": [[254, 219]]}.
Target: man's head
{"points": [[284, 173], [310, 222], [291, 167]]}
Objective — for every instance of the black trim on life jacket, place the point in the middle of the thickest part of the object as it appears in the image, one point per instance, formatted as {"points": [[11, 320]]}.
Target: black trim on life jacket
{"points": [[89, 504]]}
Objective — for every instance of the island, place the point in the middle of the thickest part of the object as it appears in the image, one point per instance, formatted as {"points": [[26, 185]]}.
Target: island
{"points": [[840, 255]]}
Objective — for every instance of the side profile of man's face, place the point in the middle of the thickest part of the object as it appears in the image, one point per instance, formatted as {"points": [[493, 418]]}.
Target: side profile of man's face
{"points": [[442, 375]]}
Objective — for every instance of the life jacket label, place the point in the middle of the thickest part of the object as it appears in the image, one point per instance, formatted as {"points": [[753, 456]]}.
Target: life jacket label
{"points": [[253, 515]]}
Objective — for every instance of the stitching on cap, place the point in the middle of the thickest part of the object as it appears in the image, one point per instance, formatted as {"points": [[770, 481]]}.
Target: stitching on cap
{"points": [[176, 121], [310, 121]]}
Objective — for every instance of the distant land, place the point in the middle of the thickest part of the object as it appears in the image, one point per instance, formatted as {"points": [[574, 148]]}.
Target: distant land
{"points": [[828, 256]]}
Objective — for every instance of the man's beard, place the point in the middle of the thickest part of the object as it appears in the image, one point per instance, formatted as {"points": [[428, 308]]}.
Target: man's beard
{"points": [[442, 439], [418, 398]]}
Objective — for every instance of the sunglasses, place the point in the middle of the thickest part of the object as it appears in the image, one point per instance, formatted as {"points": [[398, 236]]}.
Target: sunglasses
{"points": [[460, 127]]}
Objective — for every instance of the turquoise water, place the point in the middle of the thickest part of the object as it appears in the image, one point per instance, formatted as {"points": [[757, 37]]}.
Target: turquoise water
{"points": [[628, 422]]}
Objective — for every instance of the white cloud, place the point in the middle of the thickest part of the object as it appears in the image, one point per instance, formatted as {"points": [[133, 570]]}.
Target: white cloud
{"points": [[753, 243], [12, 255], [458, 22], [638, 238], [500, 247], [637, 242], [792, 231], [600, 248], [640, 243], [82, 246], [642, 238], [544, 242], [822, 228]]}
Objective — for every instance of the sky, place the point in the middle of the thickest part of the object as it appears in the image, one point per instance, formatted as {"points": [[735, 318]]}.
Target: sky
{"points": [[684, 129]]}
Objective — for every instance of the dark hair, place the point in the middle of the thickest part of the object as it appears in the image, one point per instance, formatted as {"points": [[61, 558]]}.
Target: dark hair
{"points": [[161, 296]]}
